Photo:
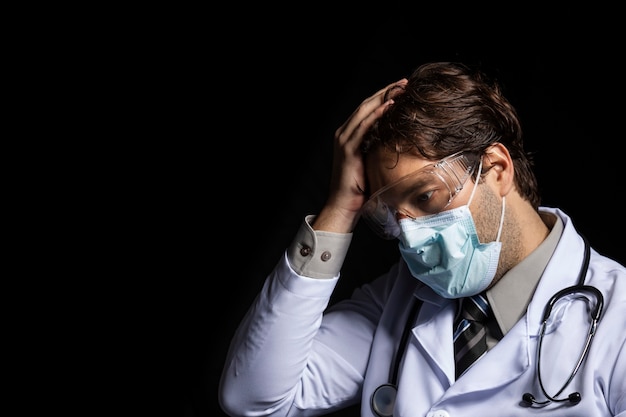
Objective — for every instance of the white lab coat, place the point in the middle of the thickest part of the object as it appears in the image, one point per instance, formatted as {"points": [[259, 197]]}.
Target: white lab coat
{"points": [[286, 359]]}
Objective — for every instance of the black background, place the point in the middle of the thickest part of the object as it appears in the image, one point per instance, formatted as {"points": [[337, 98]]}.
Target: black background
{"points": [[266, 97]]}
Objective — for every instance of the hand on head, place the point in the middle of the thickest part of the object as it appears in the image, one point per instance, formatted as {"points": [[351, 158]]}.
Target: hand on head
{"points": [[346, 194]]}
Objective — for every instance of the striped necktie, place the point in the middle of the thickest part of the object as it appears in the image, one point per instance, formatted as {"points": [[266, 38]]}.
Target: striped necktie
{"points": [[470, 335]]}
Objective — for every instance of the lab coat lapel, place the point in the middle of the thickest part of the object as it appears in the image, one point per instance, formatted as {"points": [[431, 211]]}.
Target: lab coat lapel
{"points": [[434, 331]]}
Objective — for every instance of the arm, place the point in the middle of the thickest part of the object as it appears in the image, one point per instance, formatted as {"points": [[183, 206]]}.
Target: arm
{"points": [[276, 356], [287, 356], [291, 355]]}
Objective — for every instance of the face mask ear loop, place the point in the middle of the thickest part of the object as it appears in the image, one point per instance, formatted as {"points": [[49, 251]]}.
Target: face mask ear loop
{"points": [[480, 166], [501, 221]]}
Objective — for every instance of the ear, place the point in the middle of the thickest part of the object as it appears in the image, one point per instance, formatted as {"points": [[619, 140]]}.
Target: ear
{"points": [[498, 161]]}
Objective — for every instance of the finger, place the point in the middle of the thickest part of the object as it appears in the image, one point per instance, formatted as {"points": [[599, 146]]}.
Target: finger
{"points": [[367, 106], [364, 108], [355, 139]]}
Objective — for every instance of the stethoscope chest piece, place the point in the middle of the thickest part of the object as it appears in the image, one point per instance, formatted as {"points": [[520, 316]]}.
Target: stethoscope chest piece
{"points": [[384, 399]]}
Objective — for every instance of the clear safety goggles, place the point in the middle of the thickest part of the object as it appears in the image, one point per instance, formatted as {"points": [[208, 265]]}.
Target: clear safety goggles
{"points": [[427, 191]]}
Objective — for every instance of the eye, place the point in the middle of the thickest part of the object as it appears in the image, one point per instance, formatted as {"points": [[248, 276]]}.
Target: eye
{"points": [[429, 199], [424, 197]]}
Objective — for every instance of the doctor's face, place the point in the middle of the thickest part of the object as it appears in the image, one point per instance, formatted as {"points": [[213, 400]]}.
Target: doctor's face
{"points": [[405, 185]]}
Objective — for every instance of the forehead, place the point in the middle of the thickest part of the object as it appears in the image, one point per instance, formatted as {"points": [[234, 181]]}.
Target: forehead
{"points": [[384, 167]]}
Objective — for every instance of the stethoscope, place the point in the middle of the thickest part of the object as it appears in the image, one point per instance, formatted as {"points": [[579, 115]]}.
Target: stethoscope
{"points": [[574, 398], [384, 397]]}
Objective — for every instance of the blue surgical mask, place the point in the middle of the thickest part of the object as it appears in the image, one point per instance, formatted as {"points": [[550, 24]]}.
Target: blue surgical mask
{"points": [[443, 251]]}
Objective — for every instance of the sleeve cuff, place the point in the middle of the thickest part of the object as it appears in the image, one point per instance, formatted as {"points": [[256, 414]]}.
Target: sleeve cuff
{"points": [[318, 254]]}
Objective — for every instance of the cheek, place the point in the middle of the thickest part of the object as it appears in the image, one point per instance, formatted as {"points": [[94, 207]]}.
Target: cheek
{"points": [[486, 210]]}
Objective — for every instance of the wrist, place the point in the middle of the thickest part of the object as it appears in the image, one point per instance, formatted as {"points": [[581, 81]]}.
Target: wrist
{"points": [[335, 220]]}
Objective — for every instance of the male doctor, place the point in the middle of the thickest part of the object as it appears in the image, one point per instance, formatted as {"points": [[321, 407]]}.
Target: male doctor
{"points": [[437, 162]]}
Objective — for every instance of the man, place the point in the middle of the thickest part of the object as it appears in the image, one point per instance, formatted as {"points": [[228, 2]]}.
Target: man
{"points": [[437, 162]]}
